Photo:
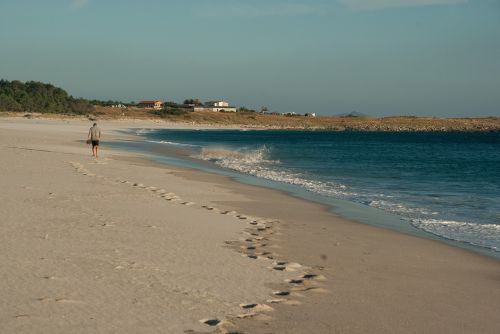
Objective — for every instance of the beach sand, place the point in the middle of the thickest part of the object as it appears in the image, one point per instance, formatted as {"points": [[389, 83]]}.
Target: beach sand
{"points": [[124, 245]]}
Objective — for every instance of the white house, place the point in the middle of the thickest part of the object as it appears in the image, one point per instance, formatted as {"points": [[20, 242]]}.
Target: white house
{"points": [[220, 103], [216, 106]]}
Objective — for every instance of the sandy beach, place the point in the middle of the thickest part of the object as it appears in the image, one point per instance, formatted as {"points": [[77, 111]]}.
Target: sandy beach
{"points": [[126, 245]]}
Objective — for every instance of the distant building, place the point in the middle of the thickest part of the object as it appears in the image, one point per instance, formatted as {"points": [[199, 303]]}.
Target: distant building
{"points": [[312, 114], [156, 104], [220, 103], [216, 106]]}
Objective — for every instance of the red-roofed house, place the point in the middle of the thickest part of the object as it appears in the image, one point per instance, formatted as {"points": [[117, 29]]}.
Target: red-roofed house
{"points": [[156, 104]]}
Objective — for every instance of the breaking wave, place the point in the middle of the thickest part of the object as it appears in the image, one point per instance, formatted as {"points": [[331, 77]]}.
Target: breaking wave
{"points": [[257, 163], [397, 208], [143, 132]]}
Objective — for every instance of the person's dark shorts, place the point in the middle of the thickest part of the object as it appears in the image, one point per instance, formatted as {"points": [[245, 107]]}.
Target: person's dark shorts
{"points": [[95, 143]]}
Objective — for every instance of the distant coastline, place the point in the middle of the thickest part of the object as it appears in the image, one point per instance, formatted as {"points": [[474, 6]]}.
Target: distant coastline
{"points": [[263, 121], [40, 100]]}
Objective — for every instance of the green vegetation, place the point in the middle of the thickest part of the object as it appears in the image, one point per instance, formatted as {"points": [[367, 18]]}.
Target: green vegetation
{"points": [[245, 110], [195, 102], [39, 97], [110, 103]]}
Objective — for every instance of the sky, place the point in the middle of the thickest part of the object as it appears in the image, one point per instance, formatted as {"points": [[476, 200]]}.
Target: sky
{"points": [[376, 57]]}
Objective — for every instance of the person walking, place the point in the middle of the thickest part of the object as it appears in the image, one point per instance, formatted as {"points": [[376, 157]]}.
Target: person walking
{"points": [[94, 136]]}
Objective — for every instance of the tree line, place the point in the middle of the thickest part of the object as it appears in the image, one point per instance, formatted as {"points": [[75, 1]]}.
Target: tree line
{"points": [[33, 96]]}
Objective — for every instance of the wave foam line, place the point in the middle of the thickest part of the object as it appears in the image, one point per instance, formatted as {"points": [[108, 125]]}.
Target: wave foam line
{"points": [[170, 143], [256, 163], [482, 235]]}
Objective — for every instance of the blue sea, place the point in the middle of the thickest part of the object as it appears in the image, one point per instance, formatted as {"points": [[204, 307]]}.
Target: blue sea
{"points": [[444, 186]]}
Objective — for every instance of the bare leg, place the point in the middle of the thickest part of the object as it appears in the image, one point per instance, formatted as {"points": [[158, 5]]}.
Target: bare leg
{"points": [[96, 148]]}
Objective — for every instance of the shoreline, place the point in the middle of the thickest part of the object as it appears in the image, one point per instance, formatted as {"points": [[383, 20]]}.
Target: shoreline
{"points": [[352, 211], [370, 274]]}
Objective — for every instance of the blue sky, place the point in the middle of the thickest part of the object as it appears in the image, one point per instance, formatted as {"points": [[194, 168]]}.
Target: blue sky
{"points": [[378, 57]]}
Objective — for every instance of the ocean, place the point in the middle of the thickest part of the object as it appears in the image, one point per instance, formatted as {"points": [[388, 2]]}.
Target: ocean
{"points": [[443, 186]]}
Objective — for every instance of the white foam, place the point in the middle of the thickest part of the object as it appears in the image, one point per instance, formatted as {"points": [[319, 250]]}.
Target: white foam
{"points": [[483, 235], [256, 162], [170, 143], [398, 208], [143, 131]]}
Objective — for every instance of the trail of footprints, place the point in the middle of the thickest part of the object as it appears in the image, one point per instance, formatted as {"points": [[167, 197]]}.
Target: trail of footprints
{"points": [[257, 245]]}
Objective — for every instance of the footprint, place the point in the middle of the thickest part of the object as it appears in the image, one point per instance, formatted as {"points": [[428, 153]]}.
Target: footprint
{"points": [[309, 276], [281, 293], [246, 315], [257, 307], [169, 196], [210, 322], [247, 306], [316, 289], [264, 253]]}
